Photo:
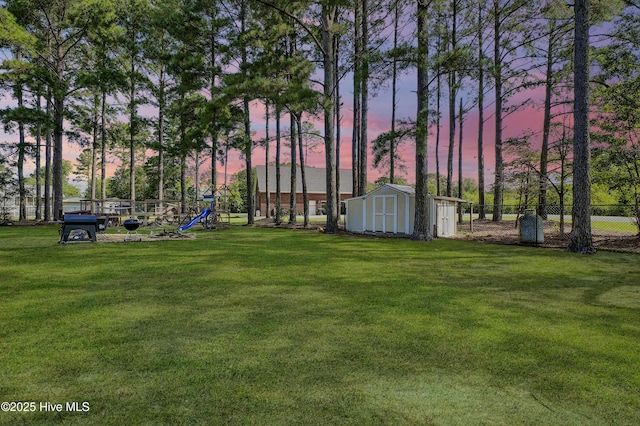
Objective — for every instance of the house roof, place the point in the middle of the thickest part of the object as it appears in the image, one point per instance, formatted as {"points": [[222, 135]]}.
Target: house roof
{"points": [[316, 179]]}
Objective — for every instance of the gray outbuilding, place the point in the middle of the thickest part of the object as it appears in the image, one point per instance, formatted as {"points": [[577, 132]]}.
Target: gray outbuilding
{"points": [[391, 209]]}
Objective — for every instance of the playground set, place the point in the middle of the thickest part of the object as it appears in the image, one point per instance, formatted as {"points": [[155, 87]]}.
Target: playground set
{"points": [[83, 225], [209, 216]]}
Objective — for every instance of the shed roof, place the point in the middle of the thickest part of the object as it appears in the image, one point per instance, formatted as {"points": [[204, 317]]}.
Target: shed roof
{"points": [[402, 188], [411, 191]]}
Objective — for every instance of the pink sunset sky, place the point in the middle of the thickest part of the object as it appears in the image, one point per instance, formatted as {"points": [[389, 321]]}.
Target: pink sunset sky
{"points": [[379, 121]]}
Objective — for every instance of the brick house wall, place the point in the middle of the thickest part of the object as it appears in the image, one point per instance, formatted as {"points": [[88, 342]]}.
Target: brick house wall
{"points": [[316, 189]]}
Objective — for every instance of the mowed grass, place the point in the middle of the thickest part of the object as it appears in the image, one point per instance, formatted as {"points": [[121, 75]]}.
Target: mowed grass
{"points": [[276, 326]]}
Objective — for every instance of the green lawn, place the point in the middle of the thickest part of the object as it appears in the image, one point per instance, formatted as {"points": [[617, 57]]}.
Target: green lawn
{"points": [[276, 326]]}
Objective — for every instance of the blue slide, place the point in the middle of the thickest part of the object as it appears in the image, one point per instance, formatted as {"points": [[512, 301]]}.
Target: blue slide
{"points": [[201, 216]]}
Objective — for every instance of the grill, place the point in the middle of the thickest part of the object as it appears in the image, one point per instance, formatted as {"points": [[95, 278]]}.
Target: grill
{"points": [[81, 225], [131, 225]]}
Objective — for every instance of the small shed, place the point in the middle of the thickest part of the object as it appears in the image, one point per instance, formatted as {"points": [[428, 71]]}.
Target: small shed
{"points": [[391, 209]]}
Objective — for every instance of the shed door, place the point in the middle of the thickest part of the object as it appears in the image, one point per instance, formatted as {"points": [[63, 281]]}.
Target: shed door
{"points": [[385, 209], [446, 217]]}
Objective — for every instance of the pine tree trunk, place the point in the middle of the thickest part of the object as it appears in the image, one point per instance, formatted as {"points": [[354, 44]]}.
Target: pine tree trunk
{"points": [[38, 161], [438, 110], [546, 126], [94, 152], [481, 199], [248, 164], [278, 207], [421, 227], [197, 177], [452, 133], [267, 212], [103, 153], [183, 182], [452, 103], [48, 154], [364, 103], [59, 94], [133, 123], [357, 85], [327, 30], [294, 169], [499, 169], [303, 177], [581, 238], [22, 148], [394, 95], [161, 112], [247, 126], [58, 131], [338, 123], [132, 133], [214, 134], [461, 118]]}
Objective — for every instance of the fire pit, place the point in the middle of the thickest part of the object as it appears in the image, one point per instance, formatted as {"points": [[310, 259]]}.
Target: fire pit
{"points": [[131, 225]]}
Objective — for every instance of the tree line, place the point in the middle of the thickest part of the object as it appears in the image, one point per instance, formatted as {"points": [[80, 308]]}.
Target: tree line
{"points": [[91, 70]]}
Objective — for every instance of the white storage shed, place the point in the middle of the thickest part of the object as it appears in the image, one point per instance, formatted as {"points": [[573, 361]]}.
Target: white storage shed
{"points": [[391, 209]]}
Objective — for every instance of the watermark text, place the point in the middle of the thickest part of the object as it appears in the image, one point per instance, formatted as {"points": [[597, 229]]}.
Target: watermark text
{"points": [[45, 406]]}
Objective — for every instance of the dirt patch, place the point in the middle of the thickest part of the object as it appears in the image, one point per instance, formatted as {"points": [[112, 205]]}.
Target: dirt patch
{"points": [[144, 237], [505, 232]]}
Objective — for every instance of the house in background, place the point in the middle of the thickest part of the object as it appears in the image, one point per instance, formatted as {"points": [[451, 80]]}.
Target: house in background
{"points": [[10, 201], [391, 209], [316, 188]]}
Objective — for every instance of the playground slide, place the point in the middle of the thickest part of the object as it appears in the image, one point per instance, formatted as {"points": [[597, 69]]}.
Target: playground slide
{"points": [[201, 216]]}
